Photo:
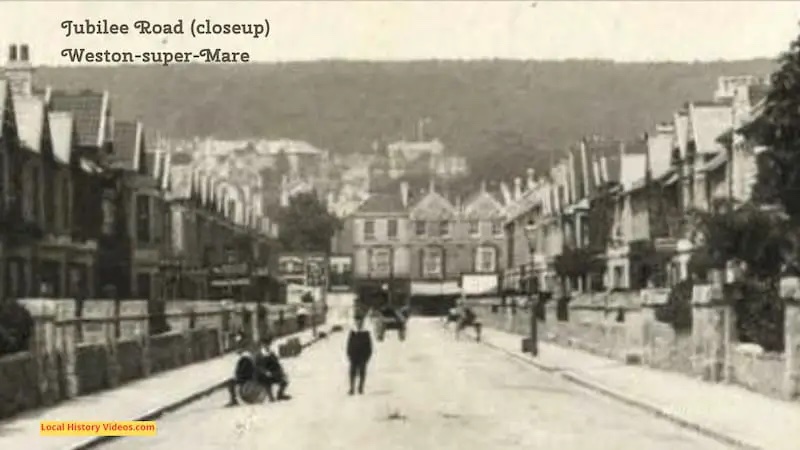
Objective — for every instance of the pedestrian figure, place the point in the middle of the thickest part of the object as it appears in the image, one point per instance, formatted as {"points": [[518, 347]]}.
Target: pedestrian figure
{"points": [[467, 319], [359, 351], [451, 317], [244, 373], [271, 371]]}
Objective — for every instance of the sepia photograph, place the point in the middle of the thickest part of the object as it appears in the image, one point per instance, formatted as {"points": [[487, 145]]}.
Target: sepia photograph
{"points": [[400, 225]]}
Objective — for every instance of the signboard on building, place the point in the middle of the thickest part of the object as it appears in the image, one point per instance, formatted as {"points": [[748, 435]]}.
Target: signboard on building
{"points": [[315, 270], [341, 273], [474, 285], [229, 275], [292, 268]]}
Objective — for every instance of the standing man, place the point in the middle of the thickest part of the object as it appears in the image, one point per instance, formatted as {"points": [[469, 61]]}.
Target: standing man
{"points": [[271, 370], [359, 352]]}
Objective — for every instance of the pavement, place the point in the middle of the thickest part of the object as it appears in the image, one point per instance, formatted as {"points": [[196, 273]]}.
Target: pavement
{"points": [[728, 413], [145, 399], [430, 391]]}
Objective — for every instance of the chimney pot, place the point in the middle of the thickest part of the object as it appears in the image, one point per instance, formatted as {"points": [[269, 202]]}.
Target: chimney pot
{"points": [[12, 53], [23, 53]]}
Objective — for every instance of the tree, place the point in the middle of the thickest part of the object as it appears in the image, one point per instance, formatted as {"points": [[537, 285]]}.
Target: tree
{"points": [[747, 233], [16, 327], [306, 224], [509, 154], [778, 128]]}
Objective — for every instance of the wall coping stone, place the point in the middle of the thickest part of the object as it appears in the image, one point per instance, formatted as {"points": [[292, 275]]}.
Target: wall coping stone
{"points": [[707, 295], [587, 307], [790, 289], [655, 296]]}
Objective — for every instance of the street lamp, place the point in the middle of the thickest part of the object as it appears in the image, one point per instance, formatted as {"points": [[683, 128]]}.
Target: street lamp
{"points": [[533, 300]]}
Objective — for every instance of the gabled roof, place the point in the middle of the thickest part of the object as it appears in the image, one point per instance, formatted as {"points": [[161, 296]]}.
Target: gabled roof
{"points": [[128, 141], [660, 147], [682, 131], [382, 204], [578, 185], [709, 121], [30, 115], [433, 204], [482, 204], [89, 109], [62, 129], [599, 151]]}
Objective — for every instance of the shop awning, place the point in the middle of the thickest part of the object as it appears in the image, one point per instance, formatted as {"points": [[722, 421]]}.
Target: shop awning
{"points": [[435, 288], [231, 282], [474, 285]]}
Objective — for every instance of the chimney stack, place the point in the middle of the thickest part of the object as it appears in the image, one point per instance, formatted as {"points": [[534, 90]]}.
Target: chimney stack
{"points": [[531, 180], [19, 71], [404, 192], [517, 188]]}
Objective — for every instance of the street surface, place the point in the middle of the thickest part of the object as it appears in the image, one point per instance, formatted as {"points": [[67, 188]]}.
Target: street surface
{"points": [[429, 392]]}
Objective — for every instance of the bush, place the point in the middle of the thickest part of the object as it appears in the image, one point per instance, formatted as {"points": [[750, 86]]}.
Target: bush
{"points": [[759, 314], [678, 310], [16, 327]]}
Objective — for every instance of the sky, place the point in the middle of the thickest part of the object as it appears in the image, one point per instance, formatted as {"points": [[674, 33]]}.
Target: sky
{"points": [[403, 30]]}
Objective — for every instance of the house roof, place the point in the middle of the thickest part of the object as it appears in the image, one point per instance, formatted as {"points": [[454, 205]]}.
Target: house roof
{"points": [[483, 204], [682, 131], [660, 148], [127, 145], [708, 122], [89, 111], [62, 132], [30, 115], [382, 203], [599, 150], [576, 160]]}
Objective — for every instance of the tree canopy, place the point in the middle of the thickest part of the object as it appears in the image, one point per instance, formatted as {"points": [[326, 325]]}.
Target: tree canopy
{"points": [[746, 234], [778, 128], [306, 224]]}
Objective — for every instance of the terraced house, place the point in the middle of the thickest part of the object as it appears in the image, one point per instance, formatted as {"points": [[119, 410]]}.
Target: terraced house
{"points": [[88, 207], [51, 238], [613, 214]]}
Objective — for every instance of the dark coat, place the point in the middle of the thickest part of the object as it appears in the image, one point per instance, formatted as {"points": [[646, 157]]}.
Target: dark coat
{"points": [[359, 345], [245, 368], [271, 364]]}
